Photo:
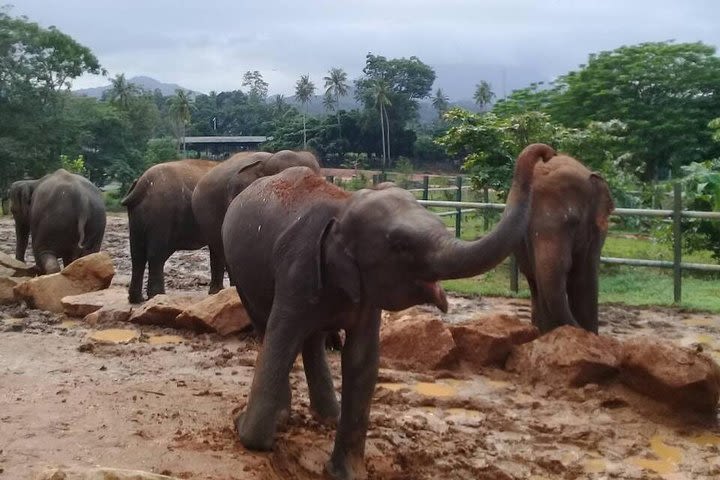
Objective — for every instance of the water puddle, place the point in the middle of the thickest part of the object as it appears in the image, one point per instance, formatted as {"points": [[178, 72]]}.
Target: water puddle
{"points": [[705, 439], [699, 322], [114, 335], [423, 388], [595, 465], [165, 339], [667, 457], [69, 323]]}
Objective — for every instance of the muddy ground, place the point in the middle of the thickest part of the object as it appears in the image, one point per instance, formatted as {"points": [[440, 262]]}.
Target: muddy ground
{"points": [[167, 407]]}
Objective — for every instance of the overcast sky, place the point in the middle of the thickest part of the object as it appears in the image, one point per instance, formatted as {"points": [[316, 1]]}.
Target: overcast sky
{"points": [[208, 45]]}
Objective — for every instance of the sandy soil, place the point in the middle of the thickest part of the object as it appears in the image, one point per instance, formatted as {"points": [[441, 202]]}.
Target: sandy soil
{"points": [[156, 405]]}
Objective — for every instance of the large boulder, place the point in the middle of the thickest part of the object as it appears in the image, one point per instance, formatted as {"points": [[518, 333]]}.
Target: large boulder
{"points": [[567, 355], [678, 376], [488, 340], [222, 313], [7, 286], [416, 340], [162, 310], [98, 474], [87, 274], [19, 269], [87, 303]]}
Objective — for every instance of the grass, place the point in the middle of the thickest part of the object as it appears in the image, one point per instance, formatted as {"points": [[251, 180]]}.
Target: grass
{"points": [[638, 286]]}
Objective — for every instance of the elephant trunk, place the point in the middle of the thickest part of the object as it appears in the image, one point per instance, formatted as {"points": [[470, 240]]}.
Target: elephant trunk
{"points": [[460, 259]]}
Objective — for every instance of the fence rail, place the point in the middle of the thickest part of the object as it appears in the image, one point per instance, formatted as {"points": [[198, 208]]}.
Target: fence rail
{"points": [[676, 214]]}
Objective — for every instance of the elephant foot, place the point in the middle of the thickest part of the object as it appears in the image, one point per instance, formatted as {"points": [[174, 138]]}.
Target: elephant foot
{"points": [[135, 297], [214, 289], [254, 439], [340, 469]]}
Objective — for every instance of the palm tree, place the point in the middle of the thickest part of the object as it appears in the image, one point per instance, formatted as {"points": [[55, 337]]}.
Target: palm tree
{"points": [[440, 102], [336, 86], [304, 91], [381, 94], [121, 92], [279, 105], [483, 94], [180, 109]]}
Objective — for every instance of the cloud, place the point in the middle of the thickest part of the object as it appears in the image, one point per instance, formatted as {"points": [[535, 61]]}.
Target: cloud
{"points": [[207, 45]]}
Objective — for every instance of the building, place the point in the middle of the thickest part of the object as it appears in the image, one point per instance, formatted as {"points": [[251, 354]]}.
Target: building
{"points": [[223, 146]]}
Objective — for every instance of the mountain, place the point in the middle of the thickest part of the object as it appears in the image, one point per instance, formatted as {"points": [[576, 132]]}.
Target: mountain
{"points": [[146, 83]]}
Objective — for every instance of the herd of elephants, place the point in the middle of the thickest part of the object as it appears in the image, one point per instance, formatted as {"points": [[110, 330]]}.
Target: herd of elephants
{"points": [[308, 258]]}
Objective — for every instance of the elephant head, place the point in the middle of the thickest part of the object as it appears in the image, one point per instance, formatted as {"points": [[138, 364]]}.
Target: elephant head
{"points": [[20, 195], [387, 248]]}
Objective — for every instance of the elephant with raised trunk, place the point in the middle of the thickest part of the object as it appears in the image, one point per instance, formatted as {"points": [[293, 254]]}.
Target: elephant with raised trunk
{"points": [[308, 257], [219, 186], [560, 255], [64, 215], [161, 220]]}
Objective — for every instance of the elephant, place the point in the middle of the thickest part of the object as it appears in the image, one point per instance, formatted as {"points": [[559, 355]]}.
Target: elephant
{"points": [[161, 220], [308, 257], [560, 254], [64, 215], [219, 186]]}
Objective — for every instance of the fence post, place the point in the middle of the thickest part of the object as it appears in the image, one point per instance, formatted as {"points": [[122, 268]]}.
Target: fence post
{"points": [[514, 274], [426, 186], [677, 242], [458, 198], [486, 214], [375, 179]]}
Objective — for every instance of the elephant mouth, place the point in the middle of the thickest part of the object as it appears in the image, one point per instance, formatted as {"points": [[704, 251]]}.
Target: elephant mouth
{"points": [[435, 294]]}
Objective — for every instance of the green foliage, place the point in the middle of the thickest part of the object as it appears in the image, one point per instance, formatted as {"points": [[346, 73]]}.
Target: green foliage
{"points": [[258, 87], [73, 165], [702, 192], [483, 95], [160, 150]]}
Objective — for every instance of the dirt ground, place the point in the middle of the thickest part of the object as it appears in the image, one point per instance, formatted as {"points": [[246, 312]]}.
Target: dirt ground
{"points": [[165, 404]]}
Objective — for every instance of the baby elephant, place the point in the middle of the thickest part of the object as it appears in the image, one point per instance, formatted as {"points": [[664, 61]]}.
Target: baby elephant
{"points": [[63, 213]]}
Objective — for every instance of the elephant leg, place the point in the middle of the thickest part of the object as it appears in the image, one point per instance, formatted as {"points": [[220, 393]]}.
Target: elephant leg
{"points": [[156, 274], [320, 384], [360, 359], [536, 315], [48, 263], [583, 293], [270, 392], [139, 259], [552, 264], [22, 234], [217, 269]]}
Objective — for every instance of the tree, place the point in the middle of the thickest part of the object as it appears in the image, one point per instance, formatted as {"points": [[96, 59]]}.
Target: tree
{"points": [[336, 86], [121, 92], [180, 109], [440, 102], [381, 94], [483, 95], [258, 86], [666, 93], [304, 91]]}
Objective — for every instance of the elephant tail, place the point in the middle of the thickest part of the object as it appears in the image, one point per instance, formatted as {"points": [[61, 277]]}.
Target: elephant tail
{"points": [[133, 196]]}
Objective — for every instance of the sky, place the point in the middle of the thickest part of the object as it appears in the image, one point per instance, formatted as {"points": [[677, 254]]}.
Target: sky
{"points": [[208, 45]]}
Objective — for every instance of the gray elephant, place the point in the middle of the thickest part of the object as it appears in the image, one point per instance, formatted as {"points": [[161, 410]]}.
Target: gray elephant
{"points": [[560, 256], [161, 220], [308, 257], [64, 215], [219, 186]]}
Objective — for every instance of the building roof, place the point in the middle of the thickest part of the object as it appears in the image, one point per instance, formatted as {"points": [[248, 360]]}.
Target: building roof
{"points": [[228, 139]]}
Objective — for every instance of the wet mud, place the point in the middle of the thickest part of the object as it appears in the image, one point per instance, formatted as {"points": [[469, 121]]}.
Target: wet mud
{"points": [[163, 400]]}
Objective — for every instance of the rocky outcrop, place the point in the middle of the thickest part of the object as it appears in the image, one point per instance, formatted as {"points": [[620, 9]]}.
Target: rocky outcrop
{"points": [[87, 303], [489, 339], [416, 340], [162, 310], [222, 313], [7, 286], [567, 355], [87, 274], [683, 378], [17, 268]]}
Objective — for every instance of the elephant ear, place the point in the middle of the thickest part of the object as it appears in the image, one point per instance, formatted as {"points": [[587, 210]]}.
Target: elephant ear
{"points": [[237, 184], [335, 264], [603, 199]]}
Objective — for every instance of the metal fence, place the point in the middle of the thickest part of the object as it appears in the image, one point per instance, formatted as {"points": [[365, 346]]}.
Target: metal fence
{"points": [[676, 214]]}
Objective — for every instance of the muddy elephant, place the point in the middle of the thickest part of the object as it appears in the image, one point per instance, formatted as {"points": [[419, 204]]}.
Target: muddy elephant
{"points": [[64, 215], [219, 186], [560, 255], [308, 257], [161, 220]]}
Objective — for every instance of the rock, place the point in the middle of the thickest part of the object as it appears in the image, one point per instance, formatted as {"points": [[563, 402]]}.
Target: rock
{"points": [[567, 355], [87, 274], [87, 303], [7, 285], [98, 474], [222, 313], [678, 376], [111, 314], [416, 340], [489, 339], [162, 310], [6, 272], [19, 269]]}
